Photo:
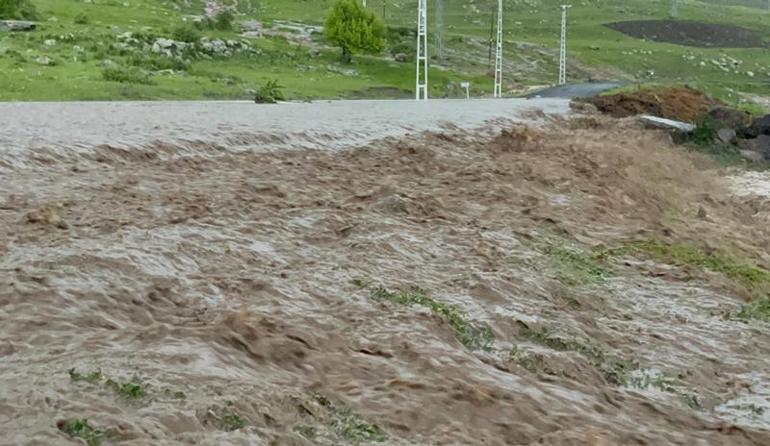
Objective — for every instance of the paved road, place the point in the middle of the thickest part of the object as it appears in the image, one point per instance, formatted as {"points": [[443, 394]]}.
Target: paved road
{"points": [[576, 90], [80, 126]]}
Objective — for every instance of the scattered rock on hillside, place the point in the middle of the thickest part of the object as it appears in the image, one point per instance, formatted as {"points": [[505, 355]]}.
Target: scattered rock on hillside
{"points": [[730, 118], [760, 145], [400, 57], [726, 135], [16, 25], [760, 126]]}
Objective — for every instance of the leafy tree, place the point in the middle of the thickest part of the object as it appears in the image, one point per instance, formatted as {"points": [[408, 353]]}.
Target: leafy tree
{"points": [[17, 10], [354, 29]]}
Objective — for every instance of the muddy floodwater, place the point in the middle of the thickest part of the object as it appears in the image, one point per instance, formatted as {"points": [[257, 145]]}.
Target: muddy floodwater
{"points": [[374, 272]]}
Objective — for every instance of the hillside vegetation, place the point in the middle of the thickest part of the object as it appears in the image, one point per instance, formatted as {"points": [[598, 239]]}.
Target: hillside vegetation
{"points": [[189, 49]]}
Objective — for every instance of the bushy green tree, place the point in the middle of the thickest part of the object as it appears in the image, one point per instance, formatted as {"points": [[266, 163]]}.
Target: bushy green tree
{"points": [[354, 29], [17, 10]]}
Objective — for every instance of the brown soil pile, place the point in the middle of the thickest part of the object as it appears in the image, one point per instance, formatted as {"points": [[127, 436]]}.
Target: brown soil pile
{"points": [[237, 291], [691, 33], [681, 104]]}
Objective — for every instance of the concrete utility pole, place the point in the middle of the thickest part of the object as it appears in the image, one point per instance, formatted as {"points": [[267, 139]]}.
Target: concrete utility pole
{"points": [[674, 8], [563, 46], [421, 92], [499, 52], [439, 29]]}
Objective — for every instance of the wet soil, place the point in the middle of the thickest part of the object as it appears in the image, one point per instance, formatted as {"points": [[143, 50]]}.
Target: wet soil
{"points": [[691, 33], [680, 104], [236, 288]]}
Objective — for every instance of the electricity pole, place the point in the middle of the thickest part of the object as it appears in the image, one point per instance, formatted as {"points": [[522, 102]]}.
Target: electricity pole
{"points": [[563, 46], [674, 8], [499, 52], [421, 92]]}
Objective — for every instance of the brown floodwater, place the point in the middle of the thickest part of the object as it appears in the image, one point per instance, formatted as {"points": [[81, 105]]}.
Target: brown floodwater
{"points": [[223, 257]]}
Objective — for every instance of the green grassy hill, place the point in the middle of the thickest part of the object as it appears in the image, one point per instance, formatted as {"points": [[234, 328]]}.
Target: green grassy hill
{"points": [[113, 49]]}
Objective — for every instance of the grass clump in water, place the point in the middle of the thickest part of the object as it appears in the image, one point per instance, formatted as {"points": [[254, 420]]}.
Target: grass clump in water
{"points": [[576, 267], [471, 335], [687, 255], [79, 428], [614, 369], [93, 377], [308, 432], [224, 419], [355, 429], [346, 424], [530, 361], [129, 390], [759, 309]]}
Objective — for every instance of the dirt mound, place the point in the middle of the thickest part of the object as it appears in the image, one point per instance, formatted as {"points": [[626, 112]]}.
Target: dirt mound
{"points": [[690, 33], [681, 104]]}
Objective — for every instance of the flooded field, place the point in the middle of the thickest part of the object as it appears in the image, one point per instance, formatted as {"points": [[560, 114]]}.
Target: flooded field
{"points": [[450, 273]]}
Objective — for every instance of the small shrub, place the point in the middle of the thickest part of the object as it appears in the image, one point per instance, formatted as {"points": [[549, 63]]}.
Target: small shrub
{"points": [[18, 10], [270, 93], [705, 132], [186, 33], [224, 21], [126, 75], [81, 19]]}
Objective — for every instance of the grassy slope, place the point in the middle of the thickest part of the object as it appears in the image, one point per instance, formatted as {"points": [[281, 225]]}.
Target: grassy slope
{"points": [[78, 75]]}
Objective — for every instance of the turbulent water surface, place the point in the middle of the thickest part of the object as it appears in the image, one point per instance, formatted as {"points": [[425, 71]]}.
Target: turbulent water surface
{"points": [[210, 271]]}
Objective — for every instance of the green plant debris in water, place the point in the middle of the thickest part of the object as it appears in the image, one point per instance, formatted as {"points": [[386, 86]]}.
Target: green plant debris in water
{"points": [[614, 369], [533, 362], [92, 377], [308, 432], [687, 255], [129, 390], [348, 425], [474, 336], [224, 419], [79, 428], [759, 309], [354, 429], [576, 267]]}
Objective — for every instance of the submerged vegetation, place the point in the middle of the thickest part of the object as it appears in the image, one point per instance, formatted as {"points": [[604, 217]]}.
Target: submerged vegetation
{"points": [[79, 428], [753, 278], [613, 368], [759, 309], [472, 335], [345, 423], [576, 267], [127, 390]]}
